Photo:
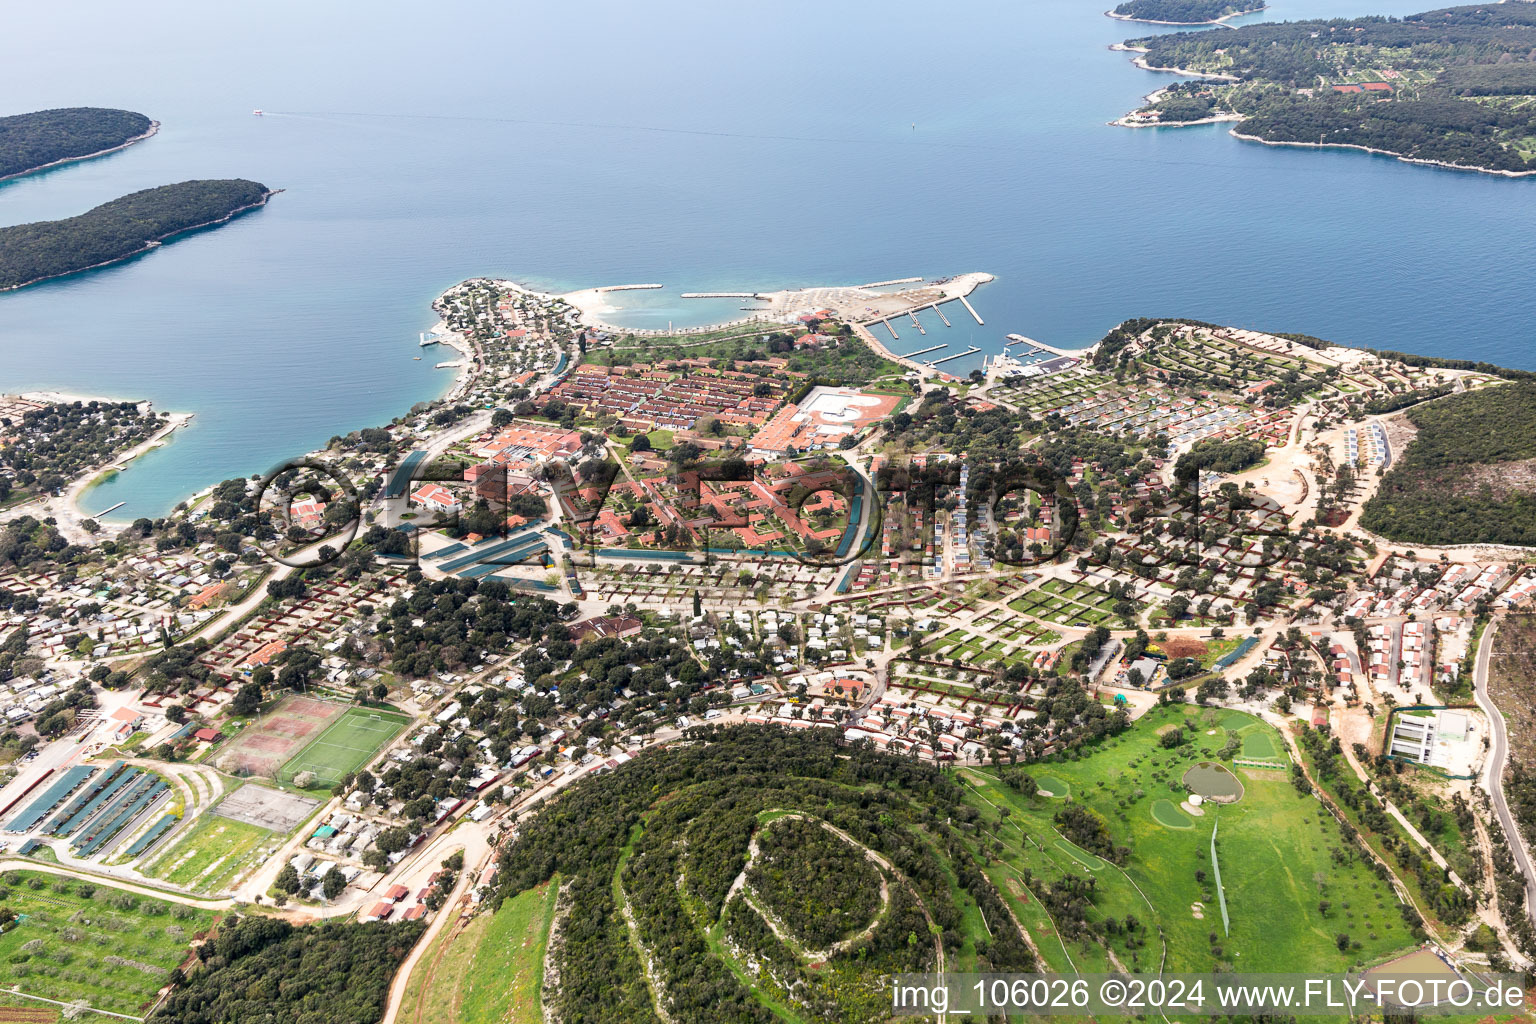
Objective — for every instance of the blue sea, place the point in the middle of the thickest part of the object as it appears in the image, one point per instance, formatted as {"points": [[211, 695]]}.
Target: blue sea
{"points": [[705, 147]]}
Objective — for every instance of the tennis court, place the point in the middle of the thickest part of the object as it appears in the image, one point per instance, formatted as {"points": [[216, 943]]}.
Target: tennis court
{"points": [[346, 745]]}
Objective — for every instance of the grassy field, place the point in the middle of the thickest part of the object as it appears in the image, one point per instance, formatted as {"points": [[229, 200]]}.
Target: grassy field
{"points": [[78, 940], [213, 855], [1282, 857], [346, 745], [491, 972]]}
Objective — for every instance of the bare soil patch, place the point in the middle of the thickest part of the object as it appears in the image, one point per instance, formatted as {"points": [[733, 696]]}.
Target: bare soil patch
{"points": [[268, 743]]}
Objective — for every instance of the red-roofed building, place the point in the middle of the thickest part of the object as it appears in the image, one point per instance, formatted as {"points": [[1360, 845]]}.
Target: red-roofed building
{"points": [[436, 497], [380, 912], [208, 735], [396, 893], [267, 652]]}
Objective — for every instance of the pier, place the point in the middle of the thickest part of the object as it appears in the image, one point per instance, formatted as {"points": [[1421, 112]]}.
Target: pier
{"points": [[924, 351], [109, 511], [894, 335], [957, 355], [939, 311], [1019, 339], [972, 310], [915, 323], [899, 280]]}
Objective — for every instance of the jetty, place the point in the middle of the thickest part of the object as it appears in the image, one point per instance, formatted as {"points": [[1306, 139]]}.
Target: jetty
{"points": [[626, 287], [1019, 339], [939, 311], [972, 310], [924, 351], [957, 355], [915, 322], [716, 295], [894, 335], [899, 280], [109, 511]]}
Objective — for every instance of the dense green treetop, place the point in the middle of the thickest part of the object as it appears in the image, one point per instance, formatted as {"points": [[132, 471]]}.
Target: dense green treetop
{"points": [[1402, 86], [30, 141], [1458, 481], [120, 228], [1185, 12]]}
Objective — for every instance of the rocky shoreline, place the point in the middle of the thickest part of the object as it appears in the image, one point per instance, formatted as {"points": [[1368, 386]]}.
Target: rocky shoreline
{"points": [[154, 127], [1382, 152], [150, 245], [1192, 24]]}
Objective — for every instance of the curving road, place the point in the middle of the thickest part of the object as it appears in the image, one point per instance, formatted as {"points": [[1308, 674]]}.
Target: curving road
{"points": [[1498, 756]]}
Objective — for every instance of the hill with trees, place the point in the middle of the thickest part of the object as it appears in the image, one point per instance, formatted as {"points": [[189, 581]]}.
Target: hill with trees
{"points": [[1466, 476], [758, 875], [121, 228], [30, 142], [1452, 86], [1184, 12]]}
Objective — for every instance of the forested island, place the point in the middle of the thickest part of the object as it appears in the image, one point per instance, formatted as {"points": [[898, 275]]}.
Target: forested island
{"points": [[43, 138], [1185, 12], [1466, 476], [124, 227], [1455, 87]]}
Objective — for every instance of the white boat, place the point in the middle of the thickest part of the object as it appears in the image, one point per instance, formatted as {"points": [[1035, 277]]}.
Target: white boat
{"points": [[257, 112]]}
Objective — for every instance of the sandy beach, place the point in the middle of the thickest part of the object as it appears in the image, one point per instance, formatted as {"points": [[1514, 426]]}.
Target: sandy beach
{"points": [[65, 508]]}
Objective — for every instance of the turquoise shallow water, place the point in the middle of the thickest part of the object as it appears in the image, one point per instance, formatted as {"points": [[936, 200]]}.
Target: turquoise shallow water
{"points": [[706, 149]]}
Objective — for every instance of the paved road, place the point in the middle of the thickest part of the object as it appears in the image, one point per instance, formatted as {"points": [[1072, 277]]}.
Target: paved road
{"points": [[1498, 756]]}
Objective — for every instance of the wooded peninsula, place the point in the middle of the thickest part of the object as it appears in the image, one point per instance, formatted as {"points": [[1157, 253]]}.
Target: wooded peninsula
{"points": [[1455, 87], [1185, 12], [43, 138], [124, 227]]}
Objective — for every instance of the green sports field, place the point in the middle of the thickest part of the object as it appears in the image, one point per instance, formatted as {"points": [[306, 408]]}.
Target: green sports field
{"points": [[346, 745]]}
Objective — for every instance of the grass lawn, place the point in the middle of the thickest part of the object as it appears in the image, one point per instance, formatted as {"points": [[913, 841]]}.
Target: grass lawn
{"points": [[111, 948], [490, 973], [1167, 814], [347, 744], [1260, 746], [1276, 847], [213, 855]]}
